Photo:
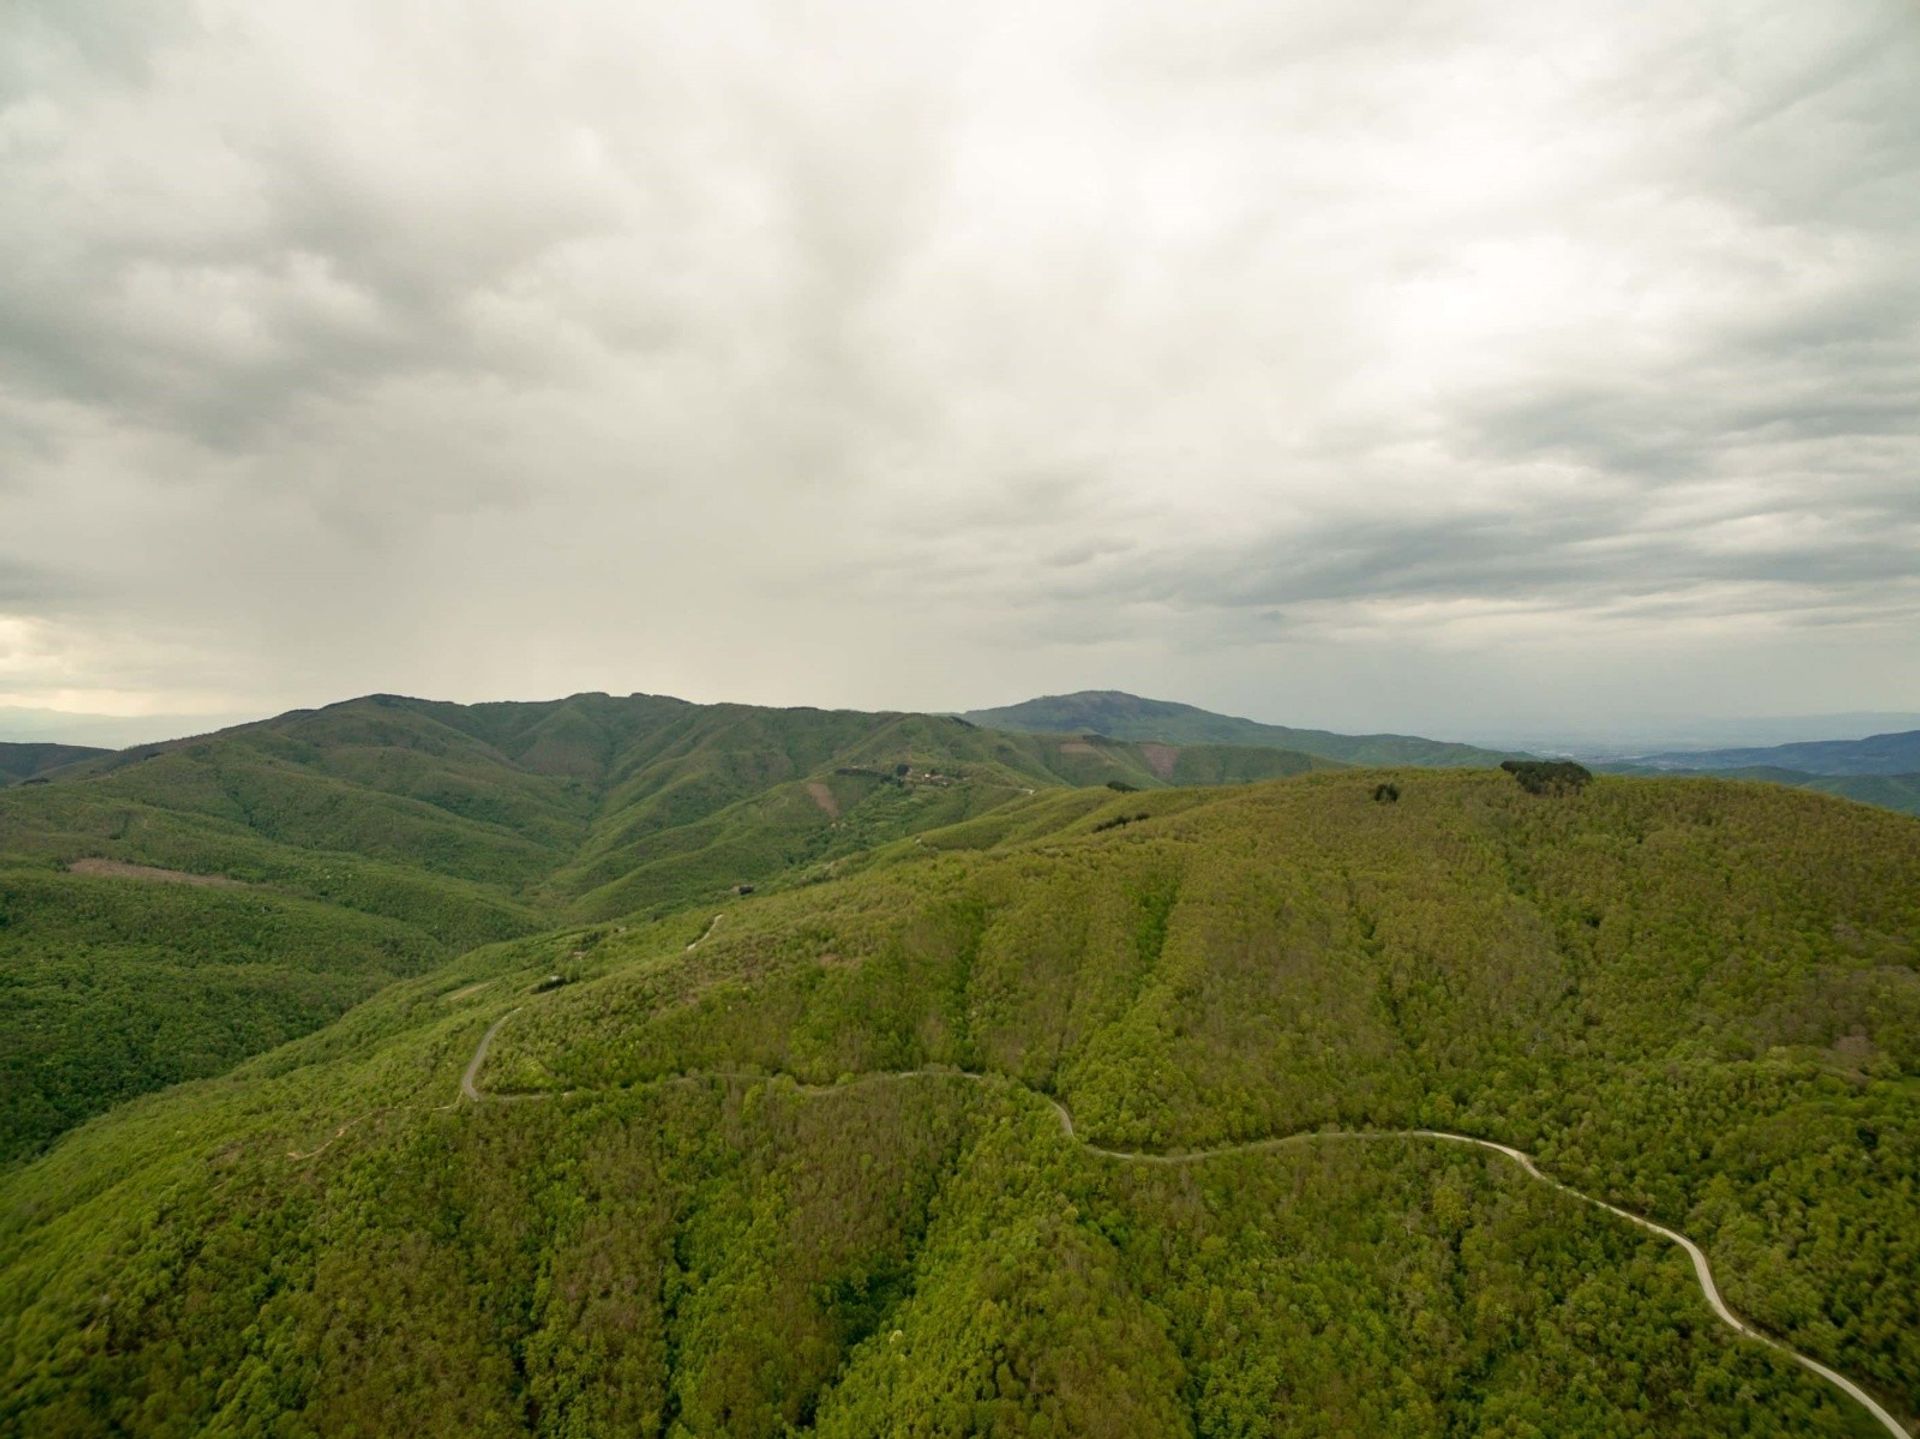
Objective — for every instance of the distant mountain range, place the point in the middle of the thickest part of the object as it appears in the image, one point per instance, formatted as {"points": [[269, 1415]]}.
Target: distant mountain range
{"points": [[1876, 754], [1882, 769], [1109, 735], [1124, 716]]}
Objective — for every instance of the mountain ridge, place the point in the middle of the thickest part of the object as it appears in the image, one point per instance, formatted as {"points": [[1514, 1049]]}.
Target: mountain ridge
{"points": [[1893, 753], [22, 761], [1130, 716], [376, 836]]}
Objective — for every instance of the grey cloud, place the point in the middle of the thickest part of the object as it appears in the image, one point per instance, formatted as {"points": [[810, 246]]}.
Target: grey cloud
{"points": [[888, 353], [26, 583], [1546, 555]]}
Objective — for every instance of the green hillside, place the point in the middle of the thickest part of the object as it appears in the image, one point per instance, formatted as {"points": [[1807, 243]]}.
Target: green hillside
{"points": [[805, 1169], [110, 987], [372, 838], [1889, 791], [1125, 716], [25, 761], [546, 805]]}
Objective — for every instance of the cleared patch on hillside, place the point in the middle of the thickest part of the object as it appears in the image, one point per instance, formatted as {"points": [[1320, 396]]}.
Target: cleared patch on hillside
{"points": [[1160, 758], [119, 869], [823, 797]]}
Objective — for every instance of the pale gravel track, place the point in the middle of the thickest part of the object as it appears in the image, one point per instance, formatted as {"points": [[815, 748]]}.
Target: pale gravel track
{"points": [[1702, 1271], [467, 1087]]}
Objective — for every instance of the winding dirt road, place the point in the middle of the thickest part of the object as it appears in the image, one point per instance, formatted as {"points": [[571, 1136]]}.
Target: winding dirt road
{"points": [[1702, 1272], [467, 1086]]}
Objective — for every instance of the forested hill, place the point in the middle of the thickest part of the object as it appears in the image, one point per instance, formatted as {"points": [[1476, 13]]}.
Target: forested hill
{"points": [[25, 761], [168, 909], [589, 805], [800, 1169], [1112, 712], [1889, 791]]}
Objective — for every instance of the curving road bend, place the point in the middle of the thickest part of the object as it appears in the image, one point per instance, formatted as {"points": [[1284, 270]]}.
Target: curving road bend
{"points": [[1700, 1271], [470, 1090]]}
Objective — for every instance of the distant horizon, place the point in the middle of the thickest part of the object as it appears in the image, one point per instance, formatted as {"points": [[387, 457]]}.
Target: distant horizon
{"points": [[32, 725], [1464, 370]]}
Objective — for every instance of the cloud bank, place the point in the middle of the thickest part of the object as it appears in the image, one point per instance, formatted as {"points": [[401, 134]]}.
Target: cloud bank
{"points": [[1412, 365]]}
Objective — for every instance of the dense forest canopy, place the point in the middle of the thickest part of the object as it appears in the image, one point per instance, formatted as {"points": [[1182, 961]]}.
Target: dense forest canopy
{"points": [[800, 1169], [332, 851]]}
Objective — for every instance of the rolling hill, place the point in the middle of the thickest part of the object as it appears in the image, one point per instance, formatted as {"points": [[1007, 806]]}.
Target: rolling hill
{"points": [[1091, 1113], [1887, 791], [25, 761], [1125, 716], [169, 909]]}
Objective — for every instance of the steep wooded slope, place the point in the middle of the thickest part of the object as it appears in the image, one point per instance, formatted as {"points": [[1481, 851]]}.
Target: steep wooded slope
{"points": [[381, 835], [1888, 791], [1701, 1000]]}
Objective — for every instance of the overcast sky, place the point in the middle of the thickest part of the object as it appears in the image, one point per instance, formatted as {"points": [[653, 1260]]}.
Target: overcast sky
{"points": [[1439, 367]]}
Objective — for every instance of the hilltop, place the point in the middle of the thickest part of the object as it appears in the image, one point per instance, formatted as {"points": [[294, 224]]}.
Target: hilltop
{"points": [[1886, 791], [168, 909], [807, 1168], [1125, 716], [25, 761]]}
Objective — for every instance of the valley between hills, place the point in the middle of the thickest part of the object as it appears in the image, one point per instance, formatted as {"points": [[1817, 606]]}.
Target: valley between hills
{"points": [[904, 1075]]}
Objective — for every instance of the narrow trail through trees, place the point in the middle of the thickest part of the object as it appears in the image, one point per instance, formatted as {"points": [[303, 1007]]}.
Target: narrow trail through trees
{"points": [[470, 1090]]}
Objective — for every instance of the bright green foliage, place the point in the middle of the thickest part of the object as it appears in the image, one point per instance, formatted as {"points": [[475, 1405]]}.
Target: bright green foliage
{"points": [[1889, 791], [111, 987], [592, 805], [1700, 1000], [918, 1256], [455, 825]]}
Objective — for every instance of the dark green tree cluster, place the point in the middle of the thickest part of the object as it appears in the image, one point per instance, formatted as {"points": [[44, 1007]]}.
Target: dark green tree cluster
{"points": [[1539, 776]]}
